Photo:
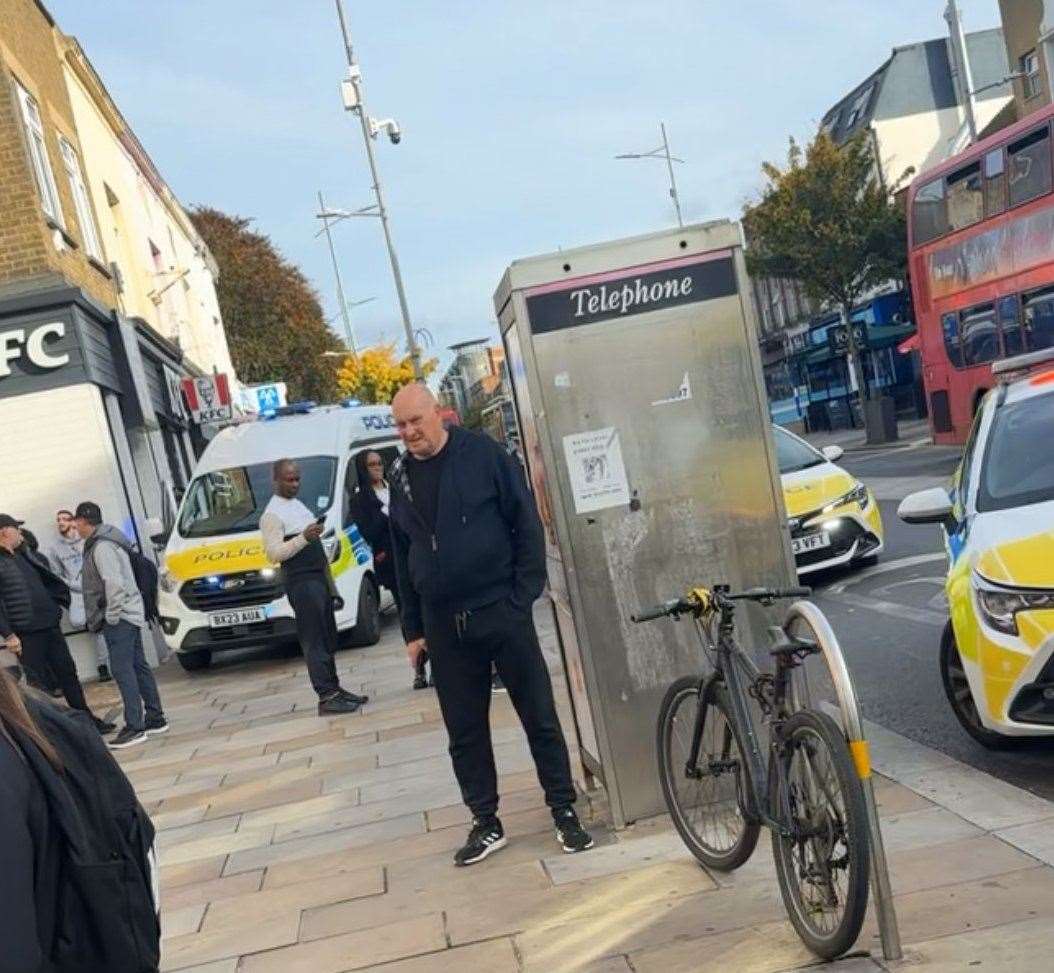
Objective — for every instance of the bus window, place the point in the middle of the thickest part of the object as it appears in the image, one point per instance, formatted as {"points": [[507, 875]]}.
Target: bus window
{"points": [[980, 339], [1039, 319], [950, 327], [929, 219], [1010, 325], [1028, 163], [994, 183], [965, 200]]}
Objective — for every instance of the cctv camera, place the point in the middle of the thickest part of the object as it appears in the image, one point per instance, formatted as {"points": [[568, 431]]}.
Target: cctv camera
{"points": [[395, 133]]}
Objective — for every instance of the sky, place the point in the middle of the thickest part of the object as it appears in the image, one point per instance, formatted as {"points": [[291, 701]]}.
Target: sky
{"points": [[511, 112]]}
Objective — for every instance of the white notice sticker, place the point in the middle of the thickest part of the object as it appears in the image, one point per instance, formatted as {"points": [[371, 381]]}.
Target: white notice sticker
{"points": [[594, 464]]}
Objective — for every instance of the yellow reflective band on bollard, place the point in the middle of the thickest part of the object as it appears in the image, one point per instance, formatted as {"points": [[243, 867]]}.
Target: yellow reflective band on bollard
{"points": [[861, 758]]}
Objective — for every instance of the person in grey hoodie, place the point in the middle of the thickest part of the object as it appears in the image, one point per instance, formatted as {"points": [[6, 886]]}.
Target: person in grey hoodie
{"points": [[66, 556], [114, 606]]}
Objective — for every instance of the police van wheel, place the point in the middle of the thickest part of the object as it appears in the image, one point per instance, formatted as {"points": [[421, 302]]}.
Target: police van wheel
{"points": [[957, 689], [192, 661], [367, 628]]}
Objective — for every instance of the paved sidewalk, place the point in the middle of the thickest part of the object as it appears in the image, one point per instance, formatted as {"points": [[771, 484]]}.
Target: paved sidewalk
{"points": [[293, 843], [910, 432]]}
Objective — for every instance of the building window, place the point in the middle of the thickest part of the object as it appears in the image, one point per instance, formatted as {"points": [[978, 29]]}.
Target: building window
{"points": [[1029, 66], [1028, 166], [38, 153], [85, 216], [859, 106]]}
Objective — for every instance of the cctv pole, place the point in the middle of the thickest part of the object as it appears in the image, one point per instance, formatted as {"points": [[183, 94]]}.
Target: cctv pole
{"points": [[673, 182], [349, 336], [355, 77]]}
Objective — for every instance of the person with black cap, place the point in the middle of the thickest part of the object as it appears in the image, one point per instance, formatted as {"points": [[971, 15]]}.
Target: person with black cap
{"points": [[32, 597], [113, 605]]}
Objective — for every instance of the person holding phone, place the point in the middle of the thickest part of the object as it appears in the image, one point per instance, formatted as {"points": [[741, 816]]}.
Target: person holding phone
{"points": [[292, 537]]}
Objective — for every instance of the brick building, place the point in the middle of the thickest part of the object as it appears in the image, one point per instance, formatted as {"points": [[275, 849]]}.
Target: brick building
{"points": [[96, 329]]}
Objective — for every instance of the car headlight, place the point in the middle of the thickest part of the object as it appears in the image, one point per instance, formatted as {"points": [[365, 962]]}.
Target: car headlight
{"points": [[166, 581], [999, 606], [857, 495]]}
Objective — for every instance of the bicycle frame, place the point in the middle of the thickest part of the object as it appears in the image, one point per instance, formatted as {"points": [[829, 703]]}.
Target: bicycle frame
{"points": [[738, 671]]}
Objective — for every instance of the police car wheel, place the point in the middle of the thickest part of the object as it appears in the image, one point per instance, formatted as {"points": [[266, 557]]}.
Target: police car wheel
{"points": [[957, 689]]}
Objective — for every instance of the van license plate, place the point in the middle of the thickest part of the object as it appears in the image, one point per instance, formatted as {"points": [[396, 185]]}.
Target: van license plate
{"points": [[810, 542], [237, 616]]}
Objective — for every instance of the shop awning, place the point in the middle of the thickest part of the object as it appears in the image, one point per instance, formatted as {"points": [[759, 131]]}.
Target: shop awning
{"points": [[912, 344], [890, 334]]}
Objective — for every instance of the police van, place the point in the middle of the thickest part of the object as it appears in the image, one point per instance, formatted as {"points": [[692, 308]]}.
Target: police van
{"points": [[218, 591]]}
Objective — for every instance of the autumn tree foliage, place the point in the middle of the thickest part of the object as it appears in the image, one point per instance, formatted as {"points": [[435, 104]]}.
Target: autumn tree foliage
{"points": [[826, 220], [374, 375], [274, 322]]}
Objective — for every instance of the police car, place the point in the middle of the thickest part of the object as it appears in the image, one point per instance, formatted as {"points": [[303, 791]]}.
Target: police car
{"points": [[997, 652], [834, 518]]}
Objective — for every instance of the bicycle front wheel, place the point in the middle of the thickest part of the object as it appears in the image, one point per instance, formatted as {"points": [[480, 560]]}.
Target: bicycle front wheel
{"points": [[823, 866], [706, 801]]}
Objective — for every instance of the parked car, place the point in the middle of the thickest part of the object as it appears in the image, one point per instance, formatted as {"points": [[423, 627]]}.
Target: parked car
{"points": [[997, 652], [834, 518]]}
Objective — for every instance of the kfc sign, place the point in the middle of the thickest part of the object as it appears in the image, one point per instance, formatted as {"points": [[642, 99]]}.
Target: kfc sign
{"points": [[208, 399], [32, 344]]}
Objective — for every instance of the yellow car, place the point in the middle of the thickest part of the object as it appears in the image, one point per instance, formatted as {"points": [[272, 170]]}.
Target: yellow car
{"points": [[834, 519], [997, 652]]}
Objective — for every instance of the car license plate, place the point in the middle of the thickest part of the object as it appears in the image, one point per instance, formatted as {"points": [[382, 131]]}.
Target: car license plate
{"points": [[810, 542], [237, 616]]}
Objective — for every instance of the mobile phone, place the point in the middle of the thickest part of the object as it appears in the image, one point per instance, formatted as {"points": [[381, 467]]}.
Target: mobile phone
{"points": [[320, 519]]}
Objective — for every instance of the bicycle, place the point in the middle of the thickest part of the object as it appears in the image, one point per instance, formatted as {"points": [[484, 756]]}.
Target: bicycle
{"points": [[720, 790]]}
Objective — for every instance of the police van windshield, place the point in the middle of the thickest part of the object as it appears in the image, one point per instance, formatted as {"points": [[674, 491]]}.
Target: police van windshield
{"points": [[792, 454], [232, 501]]}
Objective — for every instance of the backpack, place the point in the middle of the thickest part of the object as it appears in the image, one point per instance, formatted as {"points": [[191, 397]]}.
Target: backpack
{"points": [[107, 913], [146, 578]]}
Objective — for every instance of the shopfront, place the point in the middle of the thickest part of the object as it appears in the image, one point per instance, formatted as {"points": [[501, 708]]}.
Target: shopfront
{"points": [[90, 409]]}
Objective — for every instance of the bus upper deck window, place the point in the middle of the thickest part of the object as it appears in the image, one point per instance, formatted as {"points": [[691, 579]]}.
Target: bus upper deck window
{"points": [[994, 183], [965, 200], [929, 218], [1028, 166]]}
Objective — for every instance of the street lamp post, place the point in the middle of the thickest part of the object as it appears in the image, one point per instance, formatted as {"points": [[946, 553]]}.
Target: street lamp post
{"points": [[662, 152], [348, 334], [355, 100]]}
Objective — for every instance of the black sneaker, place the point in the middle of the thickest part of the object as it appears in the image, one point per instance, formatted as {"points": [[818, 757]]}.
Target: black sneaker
{"points": [[127, 738], [420, 682], [344, 694], [569, 831], [104, 674], [155, 727], [486, 837], [103, 726], [337, 705]]}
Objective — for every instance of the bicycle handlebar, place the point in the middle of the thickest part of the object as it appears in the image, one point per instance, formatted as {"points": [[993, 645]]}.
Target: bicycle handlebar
{"points": [[677, 606]]}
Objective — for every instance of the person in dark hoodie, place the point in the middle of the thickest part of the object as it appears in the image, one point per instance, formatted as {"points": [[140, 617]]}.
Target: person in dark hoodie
{"points": [[114, 606], [32, 597], [470, 562]]}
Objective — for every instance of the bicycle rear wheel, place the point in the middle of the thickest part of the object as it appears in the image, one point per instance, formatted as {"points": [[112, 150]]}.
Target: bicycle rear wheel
{"points": [[707, 802], [823, 867]]}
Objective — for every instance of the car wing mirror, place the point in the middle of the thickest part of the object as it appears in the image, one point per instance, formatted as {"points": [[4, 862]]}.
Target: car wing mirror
{"points": [[933, 506], [832, 453]]}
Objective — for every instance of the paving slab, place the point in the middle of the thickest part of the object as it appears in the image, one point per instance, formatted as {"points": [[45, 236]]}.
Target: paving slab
{"points": [[1036, 839], [1024, 945], [496, 956]]}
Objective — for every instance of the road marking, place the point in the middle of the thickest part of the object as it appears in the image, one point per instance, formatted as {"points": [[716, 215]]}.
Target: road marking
{"points": [[924, 616], [886, 566]]}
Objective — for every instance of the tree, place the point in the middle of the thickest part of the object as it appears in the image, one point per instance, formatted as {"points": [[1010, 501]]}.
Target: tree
{"points": [[272, 316], [374, 376], [827, 221]]}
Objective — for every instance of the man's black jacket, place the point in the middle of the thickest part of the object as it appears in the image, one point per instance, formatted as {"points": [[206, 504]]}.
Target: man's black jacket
{"points": [[488, 543], [16, 611]]}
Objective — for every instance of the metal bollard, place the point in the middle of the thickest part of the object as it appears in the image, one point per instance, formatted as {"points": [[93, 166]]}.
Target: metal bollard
{"points": [[852, 724]]}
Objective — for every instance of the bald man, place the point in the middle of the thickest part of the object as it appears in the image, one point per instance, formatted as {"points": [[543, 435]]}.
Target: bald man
{"points": [[470, 563], [292, 539]]}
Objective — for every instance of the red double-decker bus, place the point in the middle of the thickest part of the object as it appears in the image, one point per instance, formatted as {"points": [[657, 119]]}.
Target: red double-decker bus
{"points": [[981, 253]]}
